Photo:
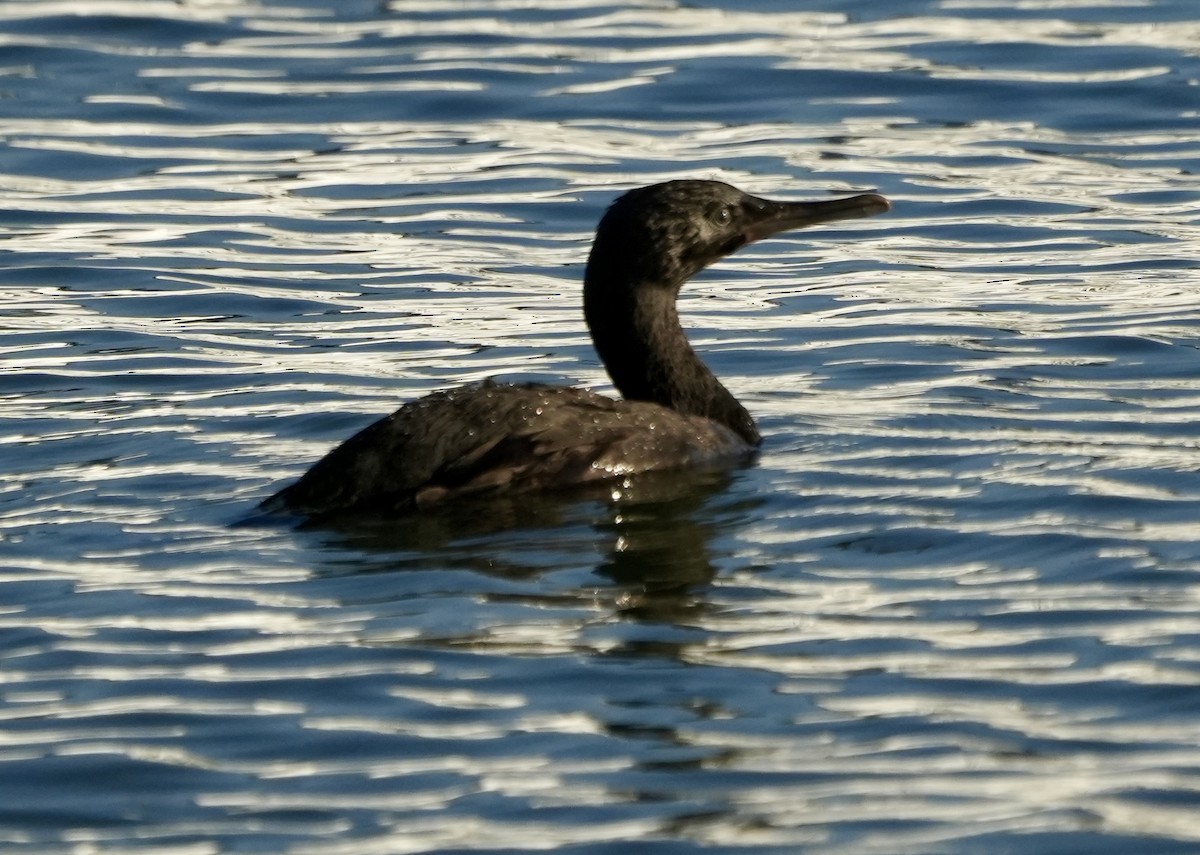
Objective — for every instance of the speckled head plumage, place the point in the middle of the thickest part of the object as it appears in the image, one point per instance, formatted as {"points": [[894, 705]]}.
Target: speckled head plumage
{"points": [[665, 233]]}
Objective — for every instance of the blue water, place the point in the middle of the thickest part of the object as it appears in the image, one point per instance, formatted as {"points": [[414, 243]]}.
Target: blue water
{"points": [[953, 608]]}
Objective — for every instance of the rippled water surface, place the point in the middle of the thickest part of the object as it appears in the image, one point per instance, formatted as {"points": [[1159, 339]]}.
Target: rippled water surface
{"points": [[953, 608]]}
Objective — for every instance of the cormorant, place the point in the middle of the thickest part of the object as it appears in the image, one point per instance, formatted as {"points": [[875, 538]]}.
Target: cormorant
{"points": [[491, 437]]}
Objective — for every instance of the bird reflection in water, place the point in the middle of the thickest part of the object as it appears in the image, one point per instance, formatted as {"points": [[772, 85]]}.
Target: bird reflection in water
{"points": [[655, 537]]}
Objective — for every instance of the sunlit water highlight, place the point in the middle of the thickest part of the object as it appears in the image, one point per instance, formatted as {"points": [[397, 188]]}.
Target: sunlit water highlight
{"points": [[953, 608]]}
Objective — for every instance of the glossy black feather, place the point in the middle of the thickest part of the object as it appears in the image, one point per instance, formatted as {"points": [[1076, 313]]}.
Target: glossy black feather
{"points": [[484, 438]]}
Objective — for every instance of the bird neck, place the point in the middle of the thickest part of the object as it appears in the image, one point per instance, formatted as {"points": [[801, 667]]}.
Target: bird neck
{"points": [[636, 332]]}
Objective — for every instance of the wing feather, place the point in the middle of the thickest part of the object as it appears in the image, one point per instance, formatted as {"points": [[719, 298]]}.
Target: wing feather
{"points": [[490, 437]]}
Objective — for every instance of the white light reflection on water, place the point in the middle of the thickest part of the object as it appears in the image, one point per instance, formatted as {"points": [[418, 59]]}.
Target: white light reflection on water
{"points": [[951, 609]]}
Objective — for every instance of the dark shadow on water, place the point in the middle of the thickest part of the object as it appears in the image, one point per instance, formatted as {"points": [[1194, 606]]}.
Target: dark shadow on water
{"points": [[651, 539]]}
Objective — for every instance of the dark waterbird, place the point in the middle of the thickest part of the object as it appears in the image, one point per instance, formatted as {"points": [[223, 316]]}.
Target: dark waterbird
{"points": [[490, 437]]}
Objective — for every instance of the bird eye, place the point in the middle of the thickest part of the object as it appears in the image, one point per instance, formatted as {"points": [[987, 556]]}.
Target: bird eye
{"points": [[722, 216]]}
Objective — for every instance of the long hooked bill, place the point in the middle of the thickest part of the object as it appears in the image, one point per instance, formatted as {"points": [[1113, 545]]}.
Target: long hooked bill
{"points": [[781, 216]]}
